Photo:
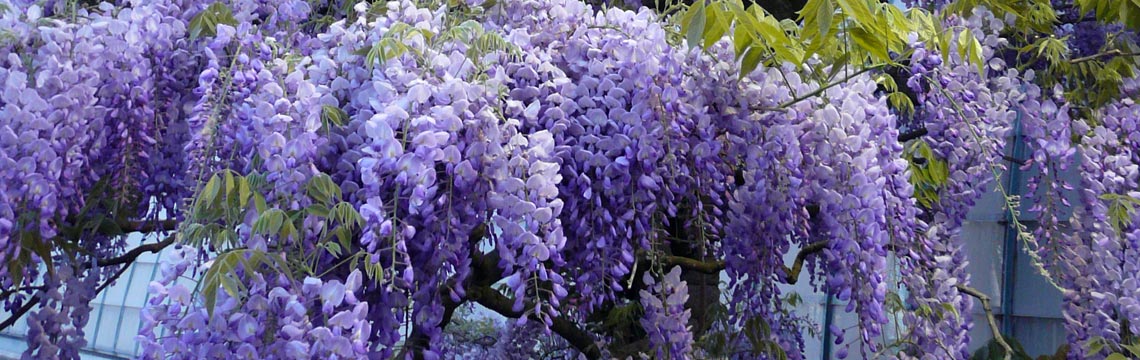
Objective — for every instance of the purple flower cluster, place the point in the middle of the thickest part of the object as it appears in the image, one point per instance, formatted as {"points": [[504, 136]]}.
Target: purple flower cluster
{"points": [[278, 318], [1098, 266], [428, 160], [837, 153], [56, 328], [967, 116], [616, 109], [666, 319], [260, 113], [86, 100]]}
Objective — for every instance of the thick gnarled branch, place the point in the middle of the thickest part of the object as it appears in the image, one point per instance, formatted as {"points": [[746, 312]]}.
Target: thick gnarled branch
{"points": [[130, 256], [148, 226], [911, 135], [419, 340], [791, 274], [485, 272], [686, 263], [567, 329]]}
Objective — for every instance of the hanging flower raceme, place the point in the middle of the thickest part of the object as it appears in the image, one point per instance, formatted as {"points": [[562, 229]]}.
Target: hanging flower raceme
{"points": [[266, 130], [77, 122], [618, 115], [312, 318], [967, 117], [1100, 258], [856, 186], [666, 319], [429, 161]]}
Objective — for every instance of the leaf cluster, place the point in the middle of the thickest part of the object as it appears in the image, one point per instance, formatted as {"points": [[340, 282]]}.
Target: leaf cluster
{"points": [[1121, 210], [219, 213], [1126, 12], [829, 36], [1121, 351], [468, 32], [928, 172], [206, 22], [838, 32]]}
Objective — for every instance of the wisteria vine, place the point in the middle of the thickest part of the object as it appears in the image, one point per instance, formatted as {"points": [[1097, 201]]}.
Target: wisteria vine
{"points": [[341, 178]]}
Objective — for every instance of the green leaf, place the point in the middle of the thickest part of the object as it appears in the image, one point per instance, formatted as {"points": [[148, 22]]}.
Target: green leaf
{"points": [[825, 16], [288, 229], [224, 239], [948, 307], [256, 180], [716, 25], [206, 22], [319, 210], [259, 202], [1133, 349], [244, 192], [1095, 344], [838, 65], [899, 101], [31, 240], [887, 81], [695, 31], [1120, 210], [221, 274], [230, 183], [1130, 15], [899, 26], [373, 269], [16, 267], [1116, 356], [237, 192], [344, 237], [970, 49], [871, 42], [333, 116], [198, 25], [943, 41], [817, 17], [346, 214], [211, 191], [333, 248], [321, 188], [386, 48], [929, 175], [976, 56], [858, 10], [893, 302], [269, 222], [741, 39], [194, 234], [771, 32], [750, 61], [924, 25]]}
